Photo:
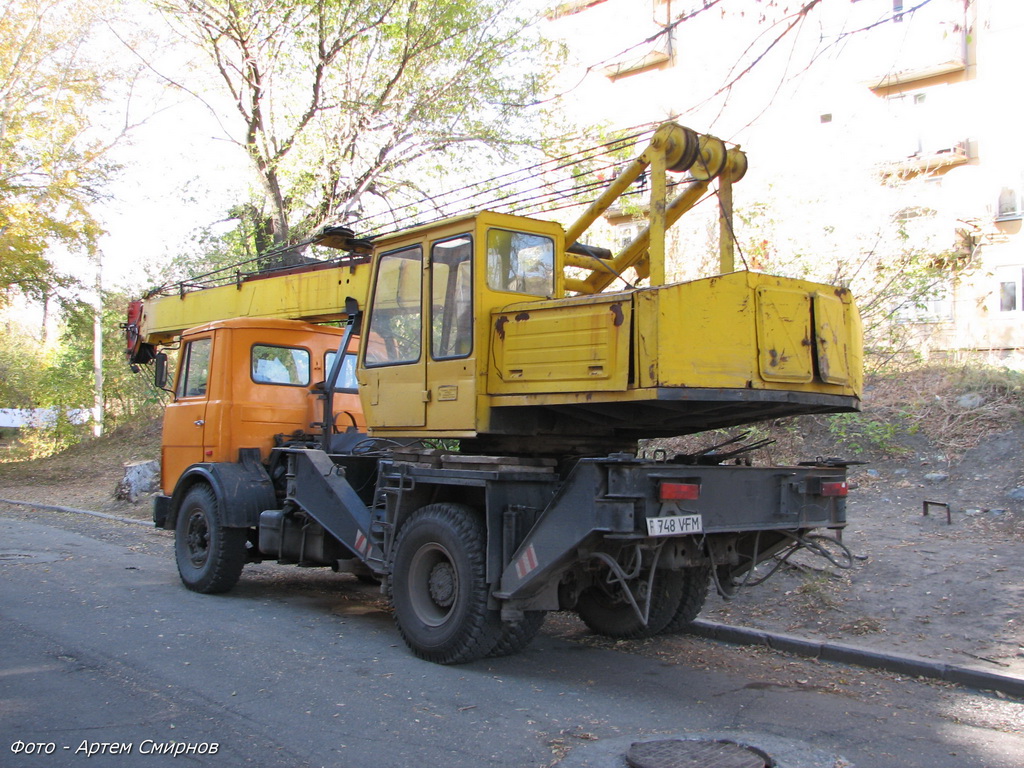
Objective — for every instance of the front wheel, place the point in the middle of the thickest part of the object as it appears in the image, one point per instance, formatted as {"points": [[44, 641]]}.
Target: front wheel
{"points": [[210, 557], [439, 587]]}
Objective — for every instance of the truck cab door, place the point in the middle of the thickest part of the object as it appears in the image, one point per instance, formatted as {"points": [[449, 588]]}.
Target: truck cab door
{"points": [[185, 416], [393, 375]]}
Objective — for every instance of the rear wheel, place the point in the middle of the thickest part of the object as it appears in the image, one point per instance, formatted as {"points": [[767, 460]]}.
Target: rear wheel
{"points": [[694, 591], [439, 588], [606, 609], [210, 557]]}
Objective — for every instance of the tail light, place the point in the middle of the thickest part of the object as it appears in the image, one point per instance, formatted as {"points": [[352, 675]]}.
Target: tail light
{"points": [[838, 488], [679, 492]]}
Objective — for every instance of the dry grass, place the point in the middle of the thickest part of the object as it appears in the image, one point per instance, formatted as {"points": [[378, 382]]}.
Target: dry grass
{"points": [[132, 442], [955, 407]]}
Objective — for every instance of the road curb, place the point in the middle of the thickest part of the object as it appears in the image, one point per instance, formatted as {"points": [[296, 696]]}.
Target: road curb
{"points": [[54, 508], [861, 657]]}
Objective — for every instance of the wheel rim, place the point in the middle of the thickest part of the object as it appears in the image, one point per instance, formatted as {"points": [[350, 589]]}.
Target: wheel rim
{"points": [[197, 538], [433, 584]]}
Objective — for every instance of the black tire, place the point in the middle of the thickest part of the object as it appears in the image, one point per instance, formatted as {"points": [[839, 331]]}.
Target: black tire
{"points": [[515, 637], [606, 611], [210, 557], [439, 587], [694, 593]]}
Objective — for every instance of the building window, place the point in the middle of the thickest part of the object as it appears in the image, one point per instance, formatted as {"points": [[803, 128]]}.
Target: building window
{"points": [[1011, 201], [1010, 281], [935, 306]]}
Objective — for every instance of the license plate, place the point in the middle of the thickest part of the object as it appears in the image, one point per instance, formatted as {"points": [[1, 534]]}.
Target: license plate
{"points": [[677, 525]]}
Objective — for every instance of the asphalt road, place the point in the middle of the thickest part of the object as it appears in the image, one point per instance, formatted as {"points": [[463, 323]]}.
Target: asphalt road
{"points": [[101, 645]]}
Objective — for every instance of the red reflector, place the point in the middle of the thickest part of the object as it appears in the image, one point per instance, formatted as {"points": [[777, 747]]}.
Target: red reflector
{"points": [[834, 489], [679, 492]]}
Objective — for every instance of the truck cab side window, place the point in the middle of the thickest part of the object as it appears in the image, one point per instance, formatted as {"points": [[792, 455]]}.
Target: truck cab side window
{"points": [[520, 262], [280, 365], [396, 315], [195, 369]]}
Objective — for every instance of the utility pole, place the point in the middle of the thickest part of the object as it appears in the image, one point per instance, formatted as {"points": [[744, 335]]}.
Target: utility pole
{"points": [[97, 351]]}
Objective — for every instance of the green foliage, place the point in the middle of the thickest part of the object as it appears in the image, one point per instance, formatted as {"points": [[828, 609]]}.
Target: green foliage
{"points": [[22, 364], [345, 106], [870, 433], [60, 377], [51, 163]]}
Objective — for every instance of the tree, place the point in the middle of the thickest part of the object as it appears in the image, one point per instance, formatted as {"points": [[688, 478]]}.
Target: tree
{"points": [[338, 102], [51, 161]]}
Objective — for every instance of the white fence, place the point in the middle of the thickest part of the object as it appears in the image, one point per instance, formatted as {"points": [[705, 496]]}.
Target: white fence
{"points": [[39, 417]]}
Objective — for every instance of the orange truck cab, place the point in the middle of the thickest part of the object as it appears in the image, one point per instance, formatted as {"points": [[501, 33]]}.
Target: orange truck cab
{"points": [[244, 386]]}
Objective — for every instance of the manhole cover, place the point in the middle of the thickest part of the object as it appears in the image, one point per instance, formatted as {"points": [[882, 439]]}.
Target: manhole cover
{"points": [[695, 753]]}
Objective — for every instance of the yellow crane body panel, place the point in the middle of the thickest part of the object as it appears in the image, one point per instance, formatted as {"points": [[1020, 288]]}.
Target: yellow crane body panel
{"points": [[565, 345], [711, 353], [750, 331]]}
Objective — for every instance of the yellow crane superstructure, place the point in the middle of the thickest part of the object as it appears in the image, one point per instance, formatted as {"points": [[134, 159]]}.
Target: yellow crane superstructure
{"points": [[544, 347]]}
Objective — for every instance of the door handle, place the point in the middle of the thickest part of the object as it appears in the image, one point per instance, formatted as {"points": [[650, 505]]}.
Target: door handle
{"points": [[199, 422]]}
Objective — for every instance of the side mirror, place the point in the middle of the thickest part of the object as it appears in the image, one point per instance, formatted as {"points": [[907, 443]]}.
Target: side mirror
{"points": [[160, 370]]}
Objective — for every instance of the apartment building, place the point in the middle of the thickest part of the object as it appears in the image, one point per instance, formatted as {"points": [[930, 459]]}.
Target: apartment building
{"points": [[899, 119]]}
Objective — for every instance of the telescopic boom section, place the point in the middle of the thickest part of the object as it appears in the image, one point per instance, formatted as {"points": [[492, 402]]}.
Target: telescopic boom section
{"points": [[675, 149], [315, 292]]}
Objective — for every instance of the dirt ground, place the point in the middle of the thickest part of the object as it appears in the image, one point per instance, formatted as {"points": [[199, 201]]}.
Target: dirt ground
{"points": [[946, 591]]}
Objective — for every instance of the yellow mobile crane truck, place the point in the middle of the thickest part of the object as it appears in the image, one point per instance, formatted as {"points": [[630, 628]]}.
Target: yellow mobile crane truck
{"points": [[306, 402]]}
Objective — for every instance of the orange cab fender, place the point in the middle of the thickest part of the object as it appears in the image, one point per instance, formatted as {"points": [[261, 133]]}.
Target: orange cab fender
{"points": [[242, 489]]}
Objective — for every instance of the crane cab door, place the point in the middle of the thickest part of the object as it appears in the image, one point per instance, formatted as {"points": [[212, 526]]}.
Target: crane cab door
{"points": [[418, 369], [393, 383], [185, 417], [451, 367]]}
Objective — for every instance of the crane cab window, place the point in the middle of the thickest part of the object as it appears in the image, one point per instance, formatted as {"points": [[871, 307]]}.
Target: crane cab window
{"points": [[451, 276], [396, 320], [520, 262], [195, 369], [280, 365]]}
